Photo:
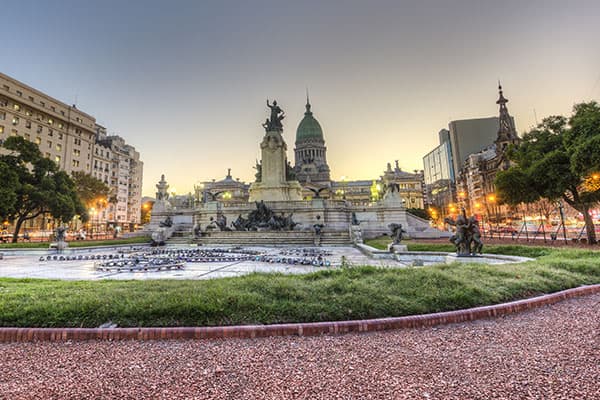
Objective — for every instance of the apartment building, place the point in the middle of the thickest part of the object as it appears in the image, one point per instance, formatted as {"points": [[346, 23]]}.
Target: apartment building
{"points": [[74, 140], [62, 132]]}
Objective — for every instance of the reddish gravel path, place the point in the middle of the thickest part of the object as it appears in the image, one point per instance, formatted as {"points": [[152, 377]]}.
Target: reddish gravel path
{"points": [[550, 353]]}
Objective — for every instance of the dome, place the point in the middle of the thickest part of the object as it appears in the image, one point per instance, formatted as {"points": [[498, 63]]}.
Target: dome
{"points": [[309, 127]]}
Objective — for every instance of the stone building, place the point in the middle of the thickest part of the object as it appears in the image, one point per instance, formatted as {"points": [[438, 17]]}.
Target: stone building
{"points": [[74, 140], [63, 133], [121, 162], [476, 177], [226, 189], [310, 156]]}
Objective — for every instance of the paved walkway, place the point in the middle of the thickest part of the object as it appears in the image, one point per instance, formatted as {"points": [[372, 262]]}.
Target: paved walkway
{"points": [[15, 265], [548, 353]]}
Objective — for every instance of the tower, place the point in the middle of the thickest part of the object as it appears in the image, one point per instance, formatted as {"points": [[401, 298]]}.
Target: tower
{"points": [[310, 153], [507, 133]]}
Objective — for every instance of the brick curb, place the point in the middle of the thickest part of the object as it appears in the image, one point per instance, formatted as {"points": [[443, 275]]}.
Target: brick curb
{"points": [[298, 329]]}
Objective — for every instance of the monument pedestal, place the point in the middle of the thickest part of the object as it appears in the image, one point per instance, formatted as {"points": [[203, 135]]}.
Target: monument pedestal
{"points": [[274, 184]]}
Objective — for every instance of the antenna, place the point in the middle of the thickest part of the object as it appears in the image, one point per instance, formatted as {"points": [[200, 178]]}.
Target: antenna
{"points": [[307, 98]]}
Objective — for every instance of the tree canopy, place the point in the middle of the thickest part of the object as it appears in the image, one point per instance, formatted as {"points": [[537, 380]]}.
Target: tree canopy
{"points": [[33, 185], [90, 190], [558, 159]]}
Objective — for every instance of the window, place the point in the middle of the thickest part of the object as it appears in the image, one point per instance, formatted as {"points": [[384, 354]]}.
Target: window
{"points": [[28, 124], [27, 136], [13, 132], [19, 93], [50, 132], [62, 112], [3, 102], [60, 136], [15, 120], [47, 155], [28, 112], [75, 163], [1, 129], [2, 115], [50, 121], [6, 87], [60, 125], [57, 159], [38, 140], [31, 99], [39, 129], [58, 147], [76, 153], [42, 104], [49, 144], [17, 107], [53, 108]]}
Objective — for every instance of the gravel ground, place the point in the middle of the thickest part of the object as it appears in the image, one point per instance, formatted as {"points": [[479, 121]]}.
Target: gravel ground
{"points": [[548, 353]]}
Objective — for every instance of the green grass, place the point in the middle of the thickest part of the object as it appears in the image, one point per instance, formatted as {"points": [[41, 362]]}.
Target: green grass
{"points": [[77, 243], [381, 243], [350, 293]]}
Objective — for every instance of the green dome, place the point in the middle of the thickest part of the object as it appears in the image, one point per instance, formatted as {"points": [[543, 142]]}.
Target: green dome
{"points": [[309, 127]]}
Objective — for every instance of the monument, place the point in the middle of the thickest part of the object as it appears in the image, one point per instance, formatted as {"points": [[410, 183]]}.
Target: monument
{"points": [[275, 212], [275, 180]]}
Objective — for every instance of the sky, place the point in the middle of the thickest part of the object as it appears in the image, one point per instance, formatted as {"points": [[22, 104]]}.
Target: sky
{"points": [[186, 82]]}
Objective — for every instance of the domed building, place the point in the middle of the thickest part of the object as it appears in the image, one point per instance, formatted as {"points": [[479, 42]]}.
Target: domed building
{"points": [[310, 153]]}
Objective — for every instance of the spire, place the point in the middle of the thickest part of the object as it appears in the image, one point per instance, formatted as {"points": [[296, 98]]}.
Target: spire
{"points": [[506, 130], [308, 112]]}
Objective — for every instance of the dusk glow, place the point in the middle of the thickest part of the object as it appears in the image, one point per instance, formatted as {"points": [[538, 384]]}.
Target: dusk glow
{"points": [[185, 82]]}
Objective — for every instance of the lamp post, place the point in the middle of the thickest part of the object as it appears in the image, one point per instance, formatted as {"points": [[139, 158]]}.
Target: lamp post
{"points": [[491, 198]]}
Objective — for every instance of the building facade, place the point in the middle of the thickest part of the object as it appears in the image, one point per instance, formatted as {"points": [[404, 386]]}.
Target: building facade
{"points": [[476, 177], [62, 132], [121, 163], [310, 155], [74, 140]]}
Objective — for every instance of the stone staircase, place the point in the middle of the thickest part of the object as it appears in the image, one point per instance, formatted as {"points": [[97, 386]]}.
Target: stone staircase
{"points": [[270, 238]]}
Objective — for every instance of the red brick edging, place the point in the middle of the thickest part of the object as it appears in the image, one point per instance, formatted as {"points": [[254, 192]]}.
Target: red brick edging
{"points": [[298, 329]]}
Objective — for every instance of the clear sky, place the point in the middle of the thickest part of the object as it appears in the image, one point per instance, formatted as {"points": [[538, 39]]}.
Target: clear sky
{"points": [[185, 82]]}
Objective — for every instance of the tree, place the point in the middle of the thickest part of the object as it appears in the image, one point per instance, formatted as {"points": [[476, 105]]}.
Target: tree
{"points": [[35, 185], [558, 160], [91, 190]]}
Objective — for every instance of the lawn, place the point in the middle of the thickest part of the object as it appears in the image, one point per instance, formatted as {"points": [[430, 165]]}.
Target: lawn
{"points": [[348, 293], [77, 243]]}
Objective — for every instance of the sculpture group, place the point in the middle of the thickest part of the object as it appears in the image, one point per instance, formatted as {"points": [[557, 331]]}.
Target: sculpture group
{"points": [[467, 237], [263, 218]]}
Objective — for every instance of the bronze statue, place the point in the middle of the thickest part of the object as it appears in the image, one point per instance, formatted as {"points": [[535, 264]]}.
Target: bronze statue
{"points": [[397, 232], [277, 114], [467, 237]]}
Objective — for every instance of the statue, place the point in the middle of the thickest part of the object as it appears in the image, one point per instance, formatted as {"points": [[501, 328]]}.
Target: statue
{"points": [[354, 219], [290, 173], [61, 233], [258, 174], [318, 227], [167, 223], [475, 235], [467, 237], [277, 114], [240, 224], [222, 222], [163, 189], [397, 232]]}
